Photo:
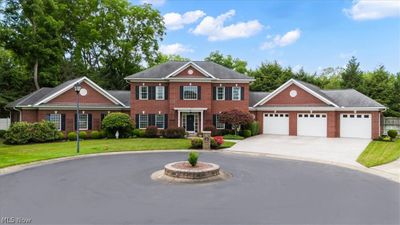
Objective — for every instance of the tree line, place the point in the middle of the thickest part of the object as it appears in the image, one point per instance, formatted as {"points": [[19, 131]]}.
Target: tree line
{"points": [[46, 42]]}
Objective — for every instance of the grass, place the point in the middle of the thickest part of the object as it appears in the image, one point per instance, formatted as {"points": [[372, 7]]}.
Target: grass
{"points": [[380, 152], [19, 154], [233, 137]]}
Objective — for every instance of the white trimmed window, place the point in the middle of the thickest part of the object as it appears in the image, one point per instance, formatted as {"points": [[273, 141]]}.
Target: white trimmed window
{"points": [[160, 92], [160, 121], [218, 124], [56, 119], [190, 93], [83, 121], [143, 93], [236, 93], [220, 93], [143, 121]]}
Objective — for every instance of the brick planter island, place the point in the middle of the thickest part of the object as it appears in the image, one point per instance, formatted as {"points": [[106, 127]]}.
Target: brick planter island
{"points": [[186, 171]]}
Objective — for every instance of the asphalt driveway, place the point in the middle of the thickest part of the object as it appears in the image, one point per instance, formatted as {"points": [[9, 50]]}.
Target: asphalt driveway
{"points": [[335, 150]]}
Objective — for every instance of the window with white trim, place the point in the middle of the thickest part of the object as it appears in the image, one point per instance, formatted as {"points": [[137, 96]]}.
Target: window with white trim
{"points": [[56, 120], [143, 121], [218, 124], [236, 93], [160, 92], [190, 93], [83, 121], [160, 121], [143, 92], [220, 93]]}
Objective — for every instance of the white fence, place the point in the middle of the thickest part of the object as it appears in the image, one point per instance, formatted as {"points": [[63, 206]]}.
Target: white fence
{"points": [[391, 123], [4, 123]]}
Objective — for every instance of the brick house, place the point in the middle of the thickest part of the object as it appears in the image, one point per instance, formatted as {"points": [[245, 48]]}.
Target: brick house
{"points": [[193, 94]]}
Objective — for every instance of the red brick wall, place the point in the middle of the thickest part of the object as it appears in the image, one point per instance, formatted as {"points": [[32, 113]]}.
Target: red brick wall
{"points": [[30, 116], [302, 98], [92, 96], [195, 74]]}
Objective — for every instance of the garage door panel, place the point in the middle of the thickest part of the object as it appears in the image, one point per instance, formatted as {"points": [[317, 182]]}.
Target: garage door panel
{"points": [[312, 124], [355, 125], [276, 123]]}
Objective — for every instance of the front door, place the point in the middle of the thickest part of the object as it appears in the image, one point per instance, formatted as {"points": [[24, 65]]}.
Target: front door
{"points": [[190, 123]]}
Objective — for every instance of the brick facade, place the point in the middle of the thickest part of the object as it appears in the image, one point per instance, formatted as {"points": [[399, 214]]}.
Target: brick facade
{"points": [[302, 98]]}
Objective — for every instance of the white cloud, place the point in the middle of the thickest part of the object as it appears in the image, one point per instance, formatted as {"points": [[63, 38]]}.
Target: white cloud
{"points": [[373, 9], [174, 49], [215, 30], [153, 2], [176, 21], [282, 41]]}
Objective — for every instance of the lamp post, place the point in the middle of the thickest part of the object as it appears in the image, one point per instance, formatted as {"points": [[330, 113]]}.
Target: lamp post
{"points": [[77, 88]]}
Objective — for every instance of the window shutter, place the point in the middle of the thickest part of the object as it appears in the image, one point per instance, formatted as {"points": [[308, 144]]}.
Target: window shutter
{"points": [[152, 119], [228, 93], [137, 120], [166, 92], [152, 92], [215, 120], [89, 121], [62, 121], [76, 122], [199, 92], [165, 121], [181, 92], [137, 91], [214, 93], [242, 93], [47, 117]]}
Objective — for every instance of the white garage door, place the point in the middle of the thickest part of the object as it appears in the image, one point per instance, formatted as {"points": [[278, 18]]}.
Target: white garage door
{"points": [[276, 123], [312, 124], [355, 125]]}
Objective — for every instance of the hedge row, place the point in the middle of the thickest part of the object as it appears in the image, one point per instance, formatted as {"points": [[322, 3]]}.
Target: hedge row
{"points": [[23, 133]]}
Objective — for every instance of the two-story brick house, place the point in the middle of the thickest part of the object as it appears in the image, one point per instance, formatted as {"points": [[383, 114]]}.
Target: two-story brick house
{"points": [[193, 94]]}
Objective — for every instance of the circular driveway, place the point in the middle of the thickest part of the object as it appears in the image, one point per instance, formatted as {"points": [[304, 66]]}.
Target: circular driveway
{"points": [[117, 189]]}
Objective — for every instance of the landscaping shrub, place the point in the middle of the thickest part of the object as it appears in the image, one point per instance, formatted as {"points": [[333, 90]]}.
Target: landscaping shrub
{"points": [[197, 143], [193, 157], [178, 132], [223, 132], [102, 134], [120, 122], [95, 134], [43, 131], [392, 134], [83, 135], [2, 132], [71, 136], [219, 139], [135, 133], [246, 133], [214, 144], [151, 132], [60, 135], [236, 118], [18, 133], [255, 128], [213, 130]]}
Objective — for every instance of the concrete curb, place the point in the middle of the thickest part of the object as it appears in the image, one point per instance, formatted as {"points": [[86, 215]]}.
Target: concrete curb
{"points": [[18, 168], [380, 173]]}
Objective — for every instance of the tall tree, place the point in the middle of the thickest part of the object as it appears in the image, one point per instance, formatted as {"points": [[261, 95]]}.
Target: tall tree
{"points": [[378, 85], [351, 76], [270, 76], [162, 58], [228, 61]]}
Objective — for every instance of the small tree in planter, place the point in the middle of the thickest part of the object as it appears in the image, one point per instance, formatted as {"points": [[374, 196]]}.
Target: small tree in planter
{"points": [[236, 118], [193, 157]]}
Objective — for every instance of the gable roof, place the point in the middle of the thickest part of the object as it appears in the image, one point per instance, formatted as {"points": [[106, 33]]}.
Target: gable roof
{"points": [[342, 98], [256, 96], [168, 69], [46, 94]]}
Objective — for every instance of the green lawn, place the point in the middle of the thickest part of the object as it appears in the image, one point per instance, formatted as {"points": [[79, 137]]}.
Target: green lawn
{"points": [[380, 152], [20, 154], [233, 137]]}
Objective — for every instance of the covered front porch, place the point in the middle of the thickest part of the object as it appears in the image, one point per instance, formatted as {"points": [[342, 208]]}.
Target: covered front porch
{"points": [[192, 119]]}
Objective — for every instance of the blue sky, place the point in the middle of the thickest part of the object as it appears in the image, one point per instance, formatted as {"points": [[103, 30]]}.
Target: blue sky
{"points": [[310, 34]]}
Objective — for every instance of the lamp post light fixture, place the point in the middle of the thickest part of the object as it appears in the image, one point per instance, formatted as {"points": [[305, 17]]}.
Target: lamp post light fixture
{"points": [[77, 88]]}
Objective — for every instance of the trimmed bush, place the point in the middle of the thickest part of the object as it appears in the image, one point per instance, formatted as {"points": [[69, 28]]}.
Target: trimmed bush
{"points": [[213, 130], [178, 132], [151, 132], [246, 133], [193, 157], [197, 143], [60, 135], [214, 144], [135, 133], [43, 131], [120, 122], [2, 132], [255, 128], [392, 134], [83, 135], [95, 134], [71, 136], [18, 133], [219, 139], [102, 134]]}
